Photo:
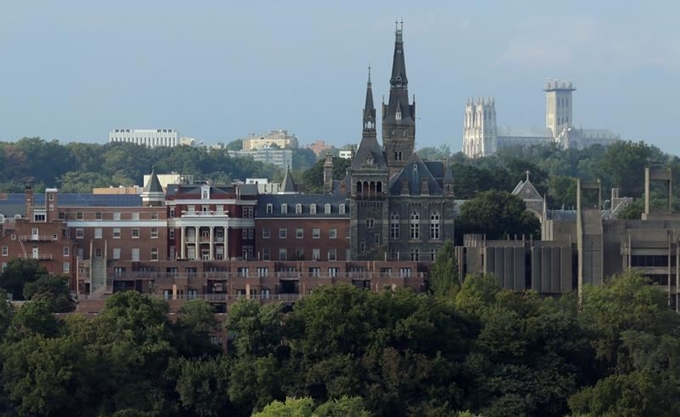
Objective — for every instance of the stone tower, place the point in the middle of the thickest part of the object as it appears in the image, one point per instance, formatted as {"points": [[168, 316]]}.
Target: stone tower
{"points": [[399, 116], [558, 105], [479, 128], [369, 176]]}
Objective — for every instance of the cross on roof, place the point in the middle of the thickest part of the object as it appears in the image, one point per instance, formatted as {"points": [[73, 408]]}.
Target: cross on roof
{"points": [[527, 172]]}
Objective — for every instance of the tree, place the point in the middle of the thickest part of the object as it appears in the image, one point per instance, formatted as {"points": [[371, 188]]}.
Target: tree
{"points": [[202, 385], [235, 145], [497, 214], [19, 272], [313, 177], [52, 289], [443, 278], [195, 325], [257, 328], [33, 318], [292, 407]]}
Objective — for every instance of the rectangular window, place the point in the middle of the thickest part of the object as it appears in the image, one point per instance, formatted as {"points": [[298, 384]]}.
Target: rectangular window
{"points": [[116, 232], [327, 209], [283, 254], [333, 272], [283, 233], [135, 216], [247, 212], [316, 254], [316, 233], [284, 208], [79, 215], [135, 233], [154, 233], [333, 255], [5, 251], [370, 223], [312, 208], [98, 215], [67, 251], [266, 233], [172, 212], [154, 254], [333, 234], [299, 233], [262, 271], [266, 253], [98, 253], [116, 216], [154, 215], [171, 233], [98, 233], [79, 233], [116, 253], [66, 267]]}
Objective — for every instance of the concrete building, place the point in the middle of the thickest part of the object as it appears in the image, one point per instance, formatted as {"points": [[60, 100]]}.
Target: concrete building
{"points": [[346, 153], [282, 158], [146, 137], [280, 138], [482, 136]]}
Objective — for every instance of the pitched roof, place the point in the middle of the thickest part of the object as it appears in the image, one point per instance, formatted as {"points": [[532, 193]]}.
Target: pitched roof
{"points": [[369, 154], [288, 185], [414, 173], [153, 185]]}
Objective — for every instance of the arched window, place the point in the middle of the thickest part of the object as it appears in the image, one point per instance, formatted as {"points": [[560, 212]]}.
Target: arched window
{"points": [[394, 226], [435, 228], [270, 208], [414, 226], [284, 208]]}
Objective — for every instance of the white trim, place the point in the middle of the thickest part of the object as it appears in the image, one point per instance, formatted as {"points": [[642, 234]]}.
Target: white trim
{"points": [[117, 223], [211, 201]]}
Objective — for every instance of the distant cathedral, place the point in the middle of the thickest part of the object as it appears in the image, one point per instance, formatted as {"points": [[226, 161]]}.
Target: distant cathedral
{"points": [[401, 207], [482, 137]]}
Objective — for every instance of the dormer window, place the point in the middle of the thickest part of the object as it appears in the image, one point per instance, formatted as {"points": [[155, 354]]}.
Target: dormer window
{"points": [[284, 208], [205, 192], [312, 208], [270, 208], [298, 209]]}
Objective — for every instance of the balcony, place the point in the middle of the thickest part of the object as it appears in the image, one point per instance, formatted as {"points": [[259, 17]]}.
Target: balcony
{"points": [[44, 257], [37, 238], [203, 214]]}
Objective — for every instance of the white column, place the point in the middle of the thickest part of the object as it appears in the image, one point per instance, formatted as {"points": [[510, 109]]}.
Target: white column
{"points": [[182, 242], [212, 237], [226, 242], [197, 245]]}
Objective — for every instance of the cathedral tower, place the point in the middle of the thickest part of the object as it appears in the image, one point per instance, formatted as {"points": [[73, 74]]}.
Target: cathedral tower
{"points": [[479, 128], [558, 106], [399, 117]]}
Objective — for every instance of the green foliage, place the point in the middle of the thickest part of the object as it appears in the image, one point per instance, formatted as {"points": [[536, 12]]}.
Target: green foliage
{"points": [[443, 277], [313, 177], [18, 273], [497, 214], [54, 290]]}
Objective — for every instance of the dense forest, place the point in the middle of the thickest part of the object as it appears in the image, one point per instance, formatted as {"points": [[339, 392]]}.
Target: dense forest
{"points": [[464, 349]]}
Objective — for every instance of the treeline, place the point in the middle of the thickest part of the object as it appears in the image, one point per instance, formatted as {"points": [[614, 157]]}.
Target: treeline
{"points": [[467, 349], [79, 167], [554, 171]]}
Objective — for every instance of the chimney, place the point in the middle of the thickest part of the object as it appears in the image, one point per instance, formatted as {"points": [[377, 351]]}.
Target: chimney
{"points": [[328, 173]]}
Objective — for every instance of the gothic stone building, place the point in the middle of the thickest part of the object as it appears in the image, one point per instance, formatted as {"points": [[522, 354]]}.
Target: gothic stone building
{"points": [[401, 207]]}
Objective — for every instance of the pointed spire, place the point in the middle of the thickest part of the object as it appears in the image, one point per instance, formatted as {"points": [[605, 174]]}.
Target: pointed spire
{"points": [[288, 185], [153, 185], [398, 79], [369, 108]]}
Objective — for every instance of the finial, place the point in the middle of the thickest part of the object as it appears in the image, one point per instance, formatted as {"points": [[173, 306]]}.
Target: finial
{"points": [[402, 24], [369, 73], [528, 172]]}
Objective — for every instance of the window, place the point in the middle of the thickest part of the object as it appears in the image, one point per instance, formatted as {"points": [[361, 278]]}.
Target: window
{"points": [[116, 253], [79, 215], [154, 233], [283, 254], [266, 233], [191, 208], [39, 217], [333, 233], [377, 239], [299, 233], [333, 255], [341, 209], [316, 233], [414, 226], [79, 233], [415, 254], [67, 251], [397, 156], [283, 233], [154, 254], [135, 233], [98, 215], [434, 226], [135, 216], [370, 223], [5, 251], [312, 208], [172, 212], [333, 272], [98, 233], [362, 247], [327, 209], [247, 212], [262, 271], [98, 253], [270, 208], [298, 209], [116, 216], [66, 267], [316, 254], [264, 293], [154, 215], [394, 226], [404, 272], [284, 208], [266, 254], [171, 233]]}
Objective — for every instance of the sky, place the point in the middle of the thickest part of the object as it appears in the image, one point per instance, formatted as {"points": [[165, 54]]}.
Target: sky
{"points": [[218, 70]]}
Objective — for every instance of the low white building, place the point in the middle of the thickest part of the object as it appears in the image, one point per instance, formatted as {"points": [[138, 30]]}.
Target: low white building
{"points": [[147, 137]]}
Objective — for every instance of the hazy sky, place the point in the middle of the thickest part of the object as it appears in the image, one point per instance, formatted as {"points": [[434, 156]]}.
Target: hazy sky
{"points": [[217, 70]]}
